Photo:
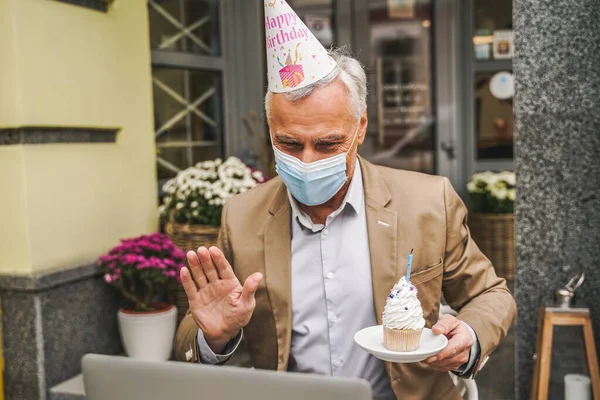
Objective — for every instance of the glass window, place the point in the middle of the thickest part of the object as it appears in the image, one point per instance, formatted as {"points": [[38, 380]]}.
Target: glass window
{"points": [[398, 57], [188, 101], [493, 43], [400, 75], [493, 15], [494, 122], [190, 26], [187, 114], [493, 37], [318, 17]]}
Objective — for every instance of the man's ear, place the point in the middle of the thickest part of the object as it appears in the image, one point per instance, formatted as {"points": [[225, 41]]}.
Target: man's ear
{"points": [[362, 128]]}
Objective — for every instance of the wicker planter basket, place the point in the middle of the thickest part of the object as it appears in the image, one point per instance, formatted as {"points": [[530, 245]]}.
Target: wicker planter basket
{"points": [[495, 236], [188, 237]]}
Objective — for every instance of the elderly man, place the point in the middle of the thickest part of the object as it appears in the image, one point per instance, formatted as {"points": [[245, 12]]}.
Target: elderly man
{"points": [[319, 248]]}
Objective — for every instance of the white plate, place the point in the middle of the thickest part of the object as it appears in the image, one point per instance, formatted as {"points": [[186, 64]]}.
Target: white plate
{"points": [[371, 339]]}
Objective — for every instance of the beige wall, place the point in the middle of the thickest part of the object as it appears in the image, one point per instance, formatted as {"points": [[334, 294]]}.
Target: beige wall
{"points": [[10, 97], [14, 236], [83, 68]]}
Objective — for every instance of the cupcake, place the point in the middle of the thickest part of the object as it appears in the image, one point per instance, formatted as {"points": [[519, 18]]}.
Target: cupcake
{"points": [[403, 319]]}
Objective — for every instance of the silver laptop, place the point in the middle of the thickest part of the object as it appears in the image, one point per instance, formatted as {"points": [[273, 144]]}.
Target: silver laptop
{"points": [[121, 378]]}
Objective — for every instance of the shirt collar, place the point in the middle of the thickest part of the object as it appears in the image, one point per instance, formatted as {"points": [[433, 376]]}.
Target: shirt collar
{"points": [[354, 198]]}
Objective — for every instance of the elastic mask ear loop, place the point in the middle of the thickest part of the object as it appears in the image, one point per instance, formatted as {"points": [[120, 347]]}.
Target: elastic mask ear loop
{"points": [[355, 136]]}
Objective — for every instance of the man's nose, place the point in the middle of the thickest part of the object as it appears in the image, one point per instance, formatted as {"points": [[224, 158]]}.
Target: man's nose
{"points": [[309, 155]]}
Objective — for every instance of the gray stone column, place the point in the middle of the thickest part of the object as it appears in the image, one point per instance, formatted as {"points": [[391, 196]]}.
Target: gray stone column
{"points": [[49, 322], [557, 67]]}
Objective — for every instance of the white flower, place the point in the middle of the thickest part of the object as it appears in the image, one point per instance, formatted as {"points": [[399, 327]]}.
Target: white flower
{"points": [[492, 180], [258, 175], [212, 181], [477, 186], [509, 177], [496, 183], [472, 187], [169, 186], [499, 193], [512, 194]]}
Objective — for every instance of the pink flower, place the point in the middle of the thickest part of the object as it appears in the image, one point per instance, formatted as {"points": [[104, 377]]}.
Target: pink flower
{"points": [[177, 253], [144, 265], [168, 262], [130, 259], [157, 262], [141, 259], [138, 260], [154, 247], [145, 243]]}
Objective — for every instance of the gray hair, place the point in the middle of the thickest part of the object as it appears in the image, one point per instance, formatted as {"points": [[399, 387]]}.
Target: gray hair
{"points": [[348, 70]]}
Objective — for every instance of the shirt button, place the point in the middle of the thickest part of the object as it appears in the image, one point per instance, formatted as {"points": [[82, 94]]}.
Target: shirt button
{"points": [[325, 231], [330, 275], [337, 363]]}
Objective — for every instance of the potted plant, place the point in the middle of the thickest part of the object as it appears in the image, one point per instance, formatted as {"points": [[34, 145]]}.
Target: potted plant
{"points": [[141, 269], [194, 199], [492, 203]]}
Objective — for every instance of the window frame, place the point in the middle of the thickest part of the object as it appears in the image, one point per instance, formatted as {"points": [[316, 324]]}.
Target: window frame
{"points": [[241, 63], [192, 62]]}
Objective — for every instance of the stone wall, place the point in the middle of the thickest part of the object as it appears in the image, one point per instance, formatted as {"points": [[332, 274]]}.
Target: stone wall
{"points": [[557, 106], [49, 322]]}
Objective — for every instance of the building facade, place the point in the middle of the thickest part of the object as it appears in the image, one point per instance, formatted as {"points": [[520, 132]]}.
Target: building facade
{"points": [[101, 101], [430, 67]]}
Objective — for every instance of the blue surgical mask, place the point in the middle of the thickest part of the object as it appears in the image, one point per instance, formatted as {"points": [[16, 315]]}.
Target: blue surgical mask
{"points": [[312, 183]]}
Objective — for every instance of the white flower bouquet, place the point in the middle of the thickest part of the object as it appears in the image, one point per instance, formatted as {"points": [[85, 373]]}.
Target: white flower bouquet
{"points": [[197, 195], [492, 192]]}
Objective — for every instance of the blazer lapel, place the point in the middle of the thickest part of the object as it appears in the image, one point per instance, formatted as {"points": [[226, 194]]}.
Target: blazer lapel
{"points": [[277, 241], [382, 226]]}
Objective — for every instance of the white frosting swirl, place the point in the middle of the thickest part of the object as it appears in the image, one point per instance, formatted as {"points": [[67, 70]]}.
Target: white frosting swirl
{"points": [[403, 308]]}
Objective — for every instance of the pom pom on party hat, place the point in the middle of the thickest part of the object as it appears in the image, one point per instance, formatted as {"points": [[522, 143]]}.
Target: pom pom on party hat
{"points": [[295, 57]]}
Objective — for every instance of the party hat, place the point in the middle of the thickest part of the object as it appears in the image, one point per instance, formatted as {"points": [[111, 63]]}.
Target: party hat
{"points": [[295, 57]]}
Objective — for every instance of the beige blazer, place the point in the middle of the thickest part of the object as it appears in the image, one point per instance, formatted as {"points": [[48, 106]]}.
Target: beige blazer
{"points": [[405, 210]]}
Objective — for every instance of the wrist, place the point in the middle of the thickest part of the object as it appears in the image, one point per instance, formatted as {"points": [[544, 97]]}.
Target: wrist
{"points": [[218, 343]]}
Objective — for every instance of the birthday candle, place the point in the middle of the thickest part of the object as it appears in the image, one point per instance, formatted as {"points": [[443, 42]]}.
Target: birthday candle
{"points": [[409, 266]]}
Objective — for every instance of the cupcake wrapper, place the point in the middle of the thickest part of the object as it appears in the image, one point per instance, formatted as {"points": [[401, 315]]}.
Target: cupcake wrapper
{"points": [[401, 339]]}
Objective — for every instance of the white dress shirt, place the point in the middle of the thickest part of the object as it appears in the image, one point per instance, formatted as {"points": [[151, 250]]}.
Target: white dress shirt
{"points": [[332, 293], [332, 296]]}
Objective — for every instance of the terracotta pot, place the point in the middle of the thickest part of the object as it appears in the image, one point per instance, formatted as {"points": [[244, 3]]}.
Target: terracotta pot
{"points": [[148, 335]]}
